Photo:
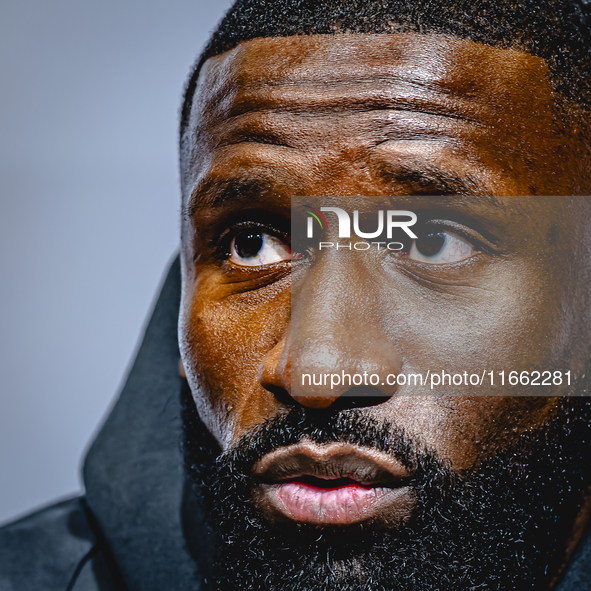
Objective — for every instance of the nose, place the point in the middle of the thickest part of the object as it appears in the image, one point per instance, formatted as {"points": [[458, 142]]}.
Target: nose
{"points": [[337, 350]]}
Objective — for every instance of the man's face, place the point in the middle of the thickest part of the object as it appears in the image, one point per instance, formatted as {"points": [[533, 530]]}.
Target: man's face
{"points": [[433, 124]]}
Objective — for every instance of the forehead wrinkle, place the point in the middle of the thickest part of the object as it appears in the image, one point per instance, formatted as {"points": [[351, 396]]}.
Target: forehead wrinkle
{"points": [[253, 76], [348, 98], [389, 124]]}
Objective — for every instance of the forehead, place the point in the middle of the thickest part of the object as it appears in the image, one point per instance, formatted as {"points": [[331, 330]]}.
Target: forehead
{"points": [[444, 63], [362, 90]]}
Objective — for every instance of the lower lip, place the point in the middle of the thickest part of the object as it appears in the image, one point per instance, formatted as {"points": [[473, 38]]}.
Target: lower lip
{"points": [[341, 505]]}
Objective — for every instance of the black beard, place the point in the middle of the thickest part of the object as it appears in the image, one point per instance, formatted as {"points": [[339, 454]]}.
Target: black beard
{"points": [[502, 526]]}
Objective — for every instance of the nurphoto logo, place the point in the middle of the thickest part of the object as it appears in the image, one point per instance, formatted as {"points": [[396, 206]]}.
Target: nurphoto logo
{"points": [[393, 218]]}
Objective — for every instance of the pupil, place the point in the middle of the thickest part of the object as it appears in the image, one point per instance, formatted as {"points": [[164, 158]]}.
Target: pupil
{"points": [[248, 245], [431, 244]]}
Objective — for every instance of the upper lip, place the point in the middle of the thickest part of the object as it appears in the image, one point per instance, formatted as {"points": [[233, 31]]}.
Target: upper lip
{"points": [[333, 461]]}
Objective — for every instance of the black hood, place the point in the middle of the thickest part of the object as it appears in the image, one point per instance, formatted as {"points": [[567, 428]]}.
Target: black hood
{"points": [[133, 473]]}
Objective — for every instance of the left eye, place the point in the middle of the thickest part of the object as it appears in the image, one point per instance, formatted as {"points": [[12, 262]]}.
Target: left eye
{"points": [[440, 247], [252, 249]]}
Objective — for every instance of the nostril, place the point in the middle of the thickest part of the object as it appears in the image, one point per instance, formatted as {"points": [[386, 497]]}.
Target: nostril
{"points": [[315, 402], [368, 392], [356, 397], [363, 396], [280, 393]]}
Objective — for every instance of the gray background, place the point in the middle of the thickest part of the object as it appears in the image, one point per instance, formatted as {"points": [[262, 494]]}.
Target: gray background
{"points": [[89, 96]]}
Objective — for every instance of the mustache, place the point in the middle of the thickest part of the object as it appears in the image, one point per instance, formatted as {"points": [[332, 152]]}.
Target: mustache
{"points": [[350, 426], [297, 424]]}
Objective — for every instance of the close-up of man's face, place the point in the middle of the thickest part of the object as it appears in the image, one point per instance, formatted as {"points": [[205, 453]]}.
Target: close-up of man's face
{"points": [[457, 486]]}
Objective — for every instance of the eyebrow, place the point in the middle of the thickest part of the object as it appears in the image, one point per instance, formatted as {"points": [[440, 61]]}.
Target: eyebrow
{"points": [[216, 193], [433, 181], [421, 181]]}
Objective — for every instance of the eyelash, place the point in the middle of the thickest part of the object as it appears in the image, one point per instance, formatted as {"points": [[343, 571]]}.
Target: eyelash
{"points": [[222, 244], [480, 243]]}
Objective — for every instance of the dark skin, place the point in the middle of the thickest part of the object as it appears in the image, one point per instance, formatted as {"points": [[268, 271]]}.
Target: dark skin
{"points": [[404, 117]]}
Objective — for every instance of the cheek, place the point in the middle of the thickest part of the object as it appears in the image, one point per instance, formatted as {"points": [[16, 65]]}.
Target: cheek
{"points": [[519, 318], [224, 339], [516, 317], [463, 431]]}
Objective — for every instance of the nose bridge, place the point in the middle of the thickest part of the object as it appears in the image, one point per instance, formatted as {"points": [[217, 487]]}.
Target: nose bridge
{"points": [[338, 339], [331, 305]]}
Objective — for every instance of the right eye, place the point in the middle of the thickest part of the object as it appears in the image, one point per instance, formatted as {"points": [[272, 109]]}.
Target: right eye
{"points": [[253, 248], [440, 247]]}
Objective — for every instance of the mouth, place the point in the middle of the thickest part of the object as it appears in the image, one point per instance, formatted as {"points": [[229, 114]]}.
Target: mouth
{"points": [[332, 484]]}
